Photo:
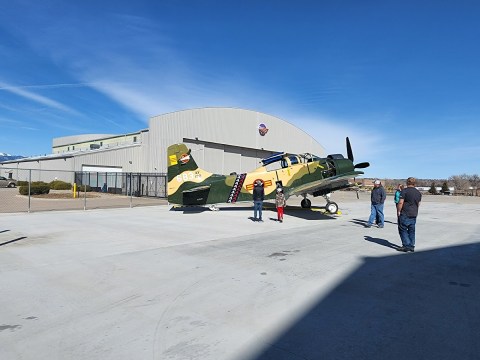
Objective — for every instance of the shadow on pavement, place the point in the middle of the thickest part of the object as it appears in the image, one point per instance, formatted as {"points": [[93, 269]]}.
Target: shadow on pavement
{"points": [[268, 208], [421, 305], [12, 241], [382, 242], [365, 222]]}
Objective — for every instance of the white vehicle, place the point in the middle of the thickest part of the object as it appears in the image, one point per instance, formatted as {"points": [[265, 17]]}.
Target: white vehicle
{"points": [[4, 182]]}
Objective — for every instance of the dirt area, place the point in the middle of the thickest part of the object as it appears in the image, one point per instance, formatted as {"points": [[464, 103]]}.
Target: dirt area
{"points": [[12, 201], [65, 195]]}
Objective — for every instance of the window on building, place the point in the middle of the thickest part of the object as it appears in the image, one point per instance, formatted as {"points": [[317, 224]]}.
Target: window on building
{"points": [[134, 139]]}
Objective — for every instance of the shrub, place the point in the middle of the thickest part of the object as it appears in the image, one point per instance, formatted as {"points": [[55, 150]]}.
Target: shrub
{"points": [[22, 183], [81, 188], [34, 183], [34, 189], [60, 185]]}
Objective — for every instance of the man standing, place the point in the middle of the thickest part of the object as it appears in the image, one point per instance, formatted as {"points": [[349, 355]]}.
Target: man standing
{"points": [[378, 197], [258, 197], [407, 211]]}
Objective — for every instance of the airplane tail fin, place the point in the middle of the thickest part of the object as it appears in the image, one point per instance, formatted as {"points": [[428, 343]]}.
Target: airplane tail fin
{"points": [[183, 173], [179, 160]]}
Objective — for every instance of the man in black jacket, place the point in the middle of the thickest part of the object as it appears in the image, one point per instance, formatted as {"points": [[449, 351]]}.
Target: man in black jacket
{"points": [[378, 199], [258, 197]]}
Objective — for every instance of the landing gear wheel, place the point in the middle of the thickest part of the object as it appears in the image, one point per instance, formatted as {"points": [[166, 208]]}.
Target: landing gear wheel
{"points": [[331, 207], [306, 204]]}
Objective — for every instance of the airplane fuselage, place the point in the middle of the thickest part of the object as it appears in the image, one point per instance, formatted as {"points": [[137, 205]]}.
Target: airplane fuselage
{"points": [[197, 187]]}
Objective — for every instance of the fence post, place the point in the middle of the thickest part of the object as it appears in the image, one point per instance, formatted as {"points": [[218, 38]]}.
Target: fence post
{"points": [[85, 198], [131, 190], [29, 187]]}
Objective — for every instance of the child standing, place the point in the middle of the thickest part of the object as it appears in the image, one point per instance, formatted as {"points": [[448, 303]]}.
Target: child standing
{"points": [[280, 202]]}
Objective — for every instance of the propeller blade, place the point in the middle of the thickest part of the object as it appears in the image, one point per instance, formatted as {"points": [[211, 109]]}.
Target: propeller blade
{"points": [[362, 165], [349, 150]]}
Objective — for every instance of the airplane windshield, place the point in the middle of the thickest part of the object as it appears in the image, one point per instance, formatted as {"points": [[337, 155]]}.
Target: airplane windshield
{"points": [[309, 157]]}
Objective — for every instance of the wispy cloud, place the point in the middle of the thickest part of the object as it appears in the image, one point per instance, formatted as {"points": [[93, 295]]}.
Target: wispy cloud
{"points": [[19, 91], [45, 86]]}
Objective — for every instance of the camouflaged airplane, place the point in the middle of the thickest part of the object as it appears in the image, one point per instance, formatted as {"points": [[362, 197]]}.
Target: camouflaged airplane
{"points": [[303, 174]]}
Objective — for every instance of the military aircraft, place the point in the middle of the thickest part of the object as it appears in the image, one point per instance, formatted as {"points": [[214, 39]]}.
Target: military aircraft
{"points": [[300, 175]]}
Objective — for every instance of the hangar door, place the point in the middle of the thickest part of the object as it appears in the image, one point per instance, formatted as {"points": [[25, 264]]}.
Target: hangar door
{"points": [[225, 159]]}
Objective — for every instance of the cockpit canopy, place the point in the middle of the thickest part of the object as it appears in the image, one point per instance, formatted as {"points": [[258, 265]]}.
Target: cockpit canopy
{"points": [[285, 160]]}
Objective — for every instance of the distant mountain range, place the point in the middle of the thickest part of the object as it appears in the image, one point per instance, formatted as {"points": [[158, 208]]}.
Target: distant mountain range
{"points": [[6, 157]]}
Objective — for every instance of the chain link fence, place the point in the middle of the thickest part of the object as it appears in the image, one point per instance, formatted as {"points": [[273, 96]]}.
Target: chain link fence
{"points": [[85, 190]]}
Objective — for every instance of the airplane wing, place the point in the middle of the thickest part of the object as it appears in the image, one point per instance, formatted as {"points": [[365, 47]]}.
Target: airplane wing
{"points": [[323, 184]]}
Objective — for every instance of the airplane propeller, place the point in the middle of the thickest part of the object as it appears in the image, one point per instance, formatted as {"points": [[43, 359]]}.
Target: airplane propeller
{"points": [[361, 165]]}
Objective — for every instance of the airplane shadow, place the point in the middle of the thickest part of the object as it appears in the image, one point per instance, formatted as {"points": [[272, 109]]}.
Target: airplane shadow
{"points": [[307, 214], [295, 211], [403, 306], [201, 209]]}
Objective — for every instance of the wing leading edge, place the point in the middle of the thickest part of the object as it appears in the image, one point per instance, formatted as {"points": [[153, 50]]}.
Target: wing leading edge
{"points": [[324, 185]]}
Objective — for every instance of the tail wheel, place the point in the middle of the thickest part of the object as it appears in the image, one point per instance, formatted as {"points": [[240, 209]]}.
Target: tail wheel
{"points": [[332, 207], [306, 203]]}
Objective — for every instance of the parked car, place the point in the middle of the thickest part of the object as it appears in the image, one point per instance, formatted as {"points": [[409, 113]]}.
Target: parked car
{"points": [[4, 182]]}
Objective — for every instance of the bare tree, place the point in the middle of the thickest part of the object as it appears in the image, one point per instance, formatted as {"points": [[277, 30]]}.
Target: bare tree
{"points": [[460, 182], [474, 182]]}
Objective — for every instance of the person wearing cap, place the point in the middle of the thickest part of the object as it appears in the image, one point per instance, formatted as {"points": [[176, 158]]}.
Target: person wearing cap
{"points": [[258, 197], [378, 197], [407, 211], [280, 203]]}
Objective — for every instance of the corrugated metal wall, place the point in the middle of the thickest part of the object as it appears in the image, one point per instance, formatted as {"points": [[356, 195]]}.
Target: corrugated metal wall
{"points": [[238, 128]]}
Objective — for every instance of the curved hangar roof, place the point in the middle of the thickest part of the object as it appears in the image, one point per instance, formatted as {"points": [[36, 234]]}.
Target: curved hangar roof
{"points": [[238, 129]]}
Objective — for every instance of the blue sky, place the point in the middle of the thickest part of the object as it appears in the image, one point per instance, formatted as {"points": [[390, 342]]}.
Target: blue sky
{"points": [[400, 78]]}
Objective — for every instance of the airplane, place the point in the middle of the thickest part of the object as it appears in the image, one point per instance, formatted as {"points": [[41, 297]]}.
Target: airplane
{"points": [[297, 174]]}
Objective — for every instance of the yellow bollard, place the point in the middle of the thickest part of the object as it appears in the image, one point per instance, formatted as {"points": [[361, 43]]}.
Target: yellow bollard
{"points": [[74, 190]]}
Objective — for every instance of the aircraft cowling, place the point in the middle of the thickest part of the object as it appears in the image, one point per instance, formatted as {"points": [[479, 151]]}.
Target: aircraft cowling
{"points": [[342, 166]]}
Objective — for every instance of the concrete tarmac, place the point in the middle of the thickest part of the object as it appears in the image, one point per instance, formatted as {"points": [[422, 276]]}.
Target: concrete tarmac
{"points": [[158, 283]]}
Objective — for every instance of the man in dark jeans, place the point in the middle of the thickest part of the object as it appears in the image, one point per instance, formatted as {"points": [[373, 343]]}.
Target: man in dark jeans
{"points": [[258, 197], [378, 197], [407, 211]]}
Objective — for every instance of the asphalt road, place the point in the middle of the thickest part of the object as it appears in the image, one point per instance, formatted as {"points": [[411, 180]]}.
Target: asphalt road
{"points": [[157, 283]]}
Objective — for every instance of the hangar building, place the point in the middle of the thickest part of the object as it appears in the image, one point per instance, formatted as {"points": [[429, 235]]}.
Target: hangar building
{"points": [[223, 140]]}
